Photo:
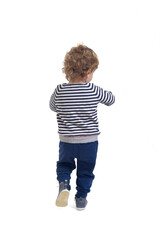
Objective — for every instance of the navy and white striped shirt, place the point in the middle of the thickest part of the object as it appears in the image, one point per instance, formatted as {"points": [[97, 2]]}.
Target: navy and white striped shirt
{"points": [[76, 108]]}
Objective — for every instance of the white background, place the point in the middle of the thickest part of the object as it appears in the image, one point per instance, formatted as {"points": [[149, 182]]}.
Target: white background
{"points": [[125, 199]]}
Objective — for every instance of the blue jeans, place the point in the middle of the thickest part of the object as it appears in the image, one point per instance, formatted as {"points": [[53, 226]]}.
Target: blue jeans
{"points": [[86, 154]]}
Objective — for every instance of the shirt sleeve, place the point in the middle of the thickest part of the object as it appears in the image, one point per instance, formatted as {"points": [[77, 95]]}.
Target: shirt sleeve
{"points": [[106, 97], [52, 104]]}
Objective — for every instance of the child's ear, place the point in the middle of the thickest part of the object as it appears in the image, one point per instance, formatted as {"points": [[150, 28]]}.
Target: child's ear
{"points": [[89, 71]]}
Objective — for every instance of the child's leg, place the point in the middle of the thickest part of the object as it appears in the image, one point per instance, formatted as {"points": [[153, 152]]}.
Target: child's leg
{"points": [[66, 163], [86, 160], [65, 166]]}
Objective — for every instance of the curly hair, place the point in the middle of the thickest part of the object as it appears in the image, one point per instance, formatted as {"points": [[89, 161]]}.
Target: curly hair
{"points": [[79, 61]]}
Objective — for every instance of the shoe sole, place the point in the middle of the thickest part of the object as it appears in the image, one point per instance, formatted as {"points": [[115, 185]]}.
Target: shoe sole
{"points": [[80, 209], [62, 199]]}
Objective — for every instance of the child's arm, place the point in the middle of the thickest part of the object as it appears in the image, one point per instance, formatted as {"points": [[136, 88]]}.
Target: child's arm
{"points": [[52, 104], [106, 97]]}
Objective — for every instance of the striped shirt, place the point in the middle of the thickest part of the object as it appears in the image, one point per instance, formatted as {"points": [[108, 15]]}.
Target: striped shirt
{"points": [[76, 108]]}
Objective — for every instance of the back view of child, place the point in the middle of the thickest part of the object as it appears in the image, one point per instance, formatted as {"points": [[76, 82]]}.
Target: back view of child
{"points": [[76, 103]]}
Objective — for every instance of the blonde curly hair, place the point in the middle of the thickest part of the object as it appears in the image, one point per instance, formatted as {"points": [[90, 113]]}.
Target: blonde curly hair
{"points": [[79, 61]]}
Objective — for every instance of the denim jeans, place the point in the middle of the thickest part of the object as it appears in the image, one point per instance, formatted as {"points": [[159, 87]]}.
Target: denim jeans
{"points": [[86, 154]]}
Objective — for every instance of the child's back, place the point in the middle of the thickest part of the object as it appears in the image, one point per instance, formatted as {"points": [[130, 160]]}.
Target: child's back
{"points": [[76, 107]]}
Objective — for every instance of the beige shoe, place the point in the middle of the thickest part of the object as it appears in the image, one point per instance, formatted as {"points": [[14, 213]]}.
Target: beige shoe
{"points": [[62, 199]]}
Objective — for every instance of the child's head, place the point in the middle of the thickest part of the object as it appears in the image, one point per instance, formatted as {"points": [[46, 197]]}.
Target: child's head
{"points": [[79, 62]]}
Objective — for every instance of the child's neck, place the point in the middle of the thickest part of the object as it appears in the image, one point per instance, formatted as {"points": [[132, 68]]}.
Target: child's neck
{"points": [[86, 80], [76, 82]]}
